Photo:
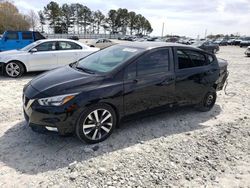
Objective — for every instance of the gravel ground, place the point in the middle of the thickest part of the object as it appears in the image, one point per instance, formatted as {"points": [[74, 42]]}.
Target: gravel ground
{"points": [[178, 148]]}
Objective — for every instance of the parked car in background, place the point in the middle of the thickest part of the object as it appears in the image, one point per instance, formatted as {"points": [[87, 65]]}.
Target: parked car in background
{"points": [[18, 39], [247, 52], [91, 96], [43, 55], [207, 46], [100, 43], [74, 37], [237, 41], [221, 42], [231, 41], [245, 42]]}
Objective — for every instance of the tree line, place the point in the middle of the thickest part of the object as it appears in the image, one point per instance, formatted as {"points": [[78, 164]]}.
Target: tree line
{"points": [[79, 18], [12, 19]]}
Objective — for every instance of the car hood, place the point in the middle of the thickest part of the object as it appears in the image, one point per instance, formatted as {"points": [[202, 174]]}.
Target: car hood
{"points": [[64, 80], [11, 52]]}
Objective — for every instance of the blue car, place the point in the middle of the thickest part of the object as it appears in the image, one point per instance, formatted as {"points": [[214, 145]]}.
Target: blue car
{"points": [[18, 39]]}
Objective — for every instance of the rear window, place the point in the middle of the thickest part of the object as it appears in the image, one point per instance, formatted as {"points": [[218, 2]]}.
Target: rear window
{"points": [[27, 36]]}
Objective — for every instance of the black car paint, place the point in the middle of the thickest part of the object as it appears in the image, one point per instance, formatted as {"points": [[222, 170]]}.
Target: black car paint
{"points": [[125, 96], [209, 47]]}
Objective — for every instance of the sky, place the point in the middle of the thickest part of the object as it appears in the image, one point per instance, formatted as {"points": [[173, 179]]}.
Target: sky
{"points": [[181, 17]]}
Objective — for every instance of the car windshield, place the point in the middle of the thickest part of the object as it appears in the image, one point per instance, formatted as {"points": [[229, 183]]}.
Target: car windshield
{"points": [[30, 46], [108, 59]]}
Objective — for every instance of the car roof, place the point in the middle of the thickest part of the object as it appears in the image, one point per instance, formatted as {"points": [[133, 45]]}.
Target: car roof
{"points": [[151, 45], [66, 40]]}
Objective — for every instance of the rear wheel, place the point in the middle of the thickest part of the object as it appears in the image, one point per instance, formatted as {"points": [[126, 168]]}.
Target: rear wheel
{"points": [[14, 69], [207, 102], [96, 123]]}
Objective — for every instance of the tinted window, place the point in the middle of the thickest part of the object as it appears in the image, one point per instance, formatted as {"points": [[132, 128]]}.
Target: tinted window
{"points": [[189, 59], [38, 36], [27, 36], [12, 36], [154, 62], [68, 46], [130, 72], [46, 46]]}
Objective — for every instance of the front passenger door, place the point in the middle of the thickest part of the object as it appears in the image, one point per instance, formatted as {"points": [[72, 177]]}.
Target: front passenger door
{"points": [[149, 82], [45, 58]]}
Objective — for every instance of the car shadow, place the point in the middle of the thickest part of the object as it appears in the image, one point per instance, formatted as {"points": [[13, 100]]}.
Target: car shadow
{"points": [[32, 153]]}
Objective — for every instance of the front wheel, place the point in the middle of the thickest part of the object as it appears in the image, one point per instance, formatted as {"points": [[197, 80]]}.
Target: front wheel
{"points": [[207, 102], [96, 123], [14, 69]]}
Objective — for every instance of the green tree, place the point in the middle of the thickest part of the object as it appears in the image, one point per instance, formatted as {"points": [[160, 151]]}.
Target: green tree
{"points": [[131, 21], [42, 19], [99, 19], [112, 21], [67, 17], [11, 19], [53, 14]]}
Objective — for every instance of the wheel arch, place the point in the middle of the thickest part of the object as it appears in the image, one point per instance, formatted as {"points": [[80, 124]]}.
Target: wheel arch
{"points": [[25, 68]]}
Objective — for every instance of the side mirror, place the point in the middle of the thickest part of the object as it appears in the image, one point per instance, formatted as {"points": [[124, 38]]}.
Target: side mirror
{"points": [[33, 50]]}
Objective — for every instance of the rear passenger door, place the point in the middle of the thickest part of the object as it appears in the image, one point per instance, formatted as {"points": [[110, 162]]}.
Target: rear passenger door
{"points": [[195, 75], [149, 81], [68, 52], [12, 41]]}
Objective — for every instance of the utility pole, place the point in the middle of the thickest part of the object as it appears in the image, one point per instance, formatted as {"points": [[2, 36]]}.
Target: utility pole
{"points": [[162, 30], [205, 33]]}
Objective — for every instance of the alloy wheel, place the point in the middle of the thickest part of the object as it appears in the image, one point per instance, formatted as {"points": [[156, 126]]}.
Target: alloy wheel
{"points": [[97, 124], [13, 69]]}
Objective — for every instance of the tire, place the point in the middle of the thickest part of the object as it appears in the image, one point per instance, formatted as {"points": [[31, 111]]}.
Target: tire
{"points": [[90, 127], [207, 102], [14, 69]]}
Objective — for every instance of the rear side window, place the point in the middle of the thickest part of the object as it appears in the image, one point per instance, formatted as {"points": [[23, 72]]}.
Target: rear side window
{"points": [[190, 59], [12, 36], [68, 46], [154, 62], [27, 36]]}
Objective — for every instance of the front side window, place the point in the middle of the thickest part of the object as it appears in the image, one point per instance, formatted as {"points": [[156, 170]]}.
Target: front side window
{"points": [[27, 36], [63, 45], [154, 62], [190, 59], [46, 46], [12, 36]]}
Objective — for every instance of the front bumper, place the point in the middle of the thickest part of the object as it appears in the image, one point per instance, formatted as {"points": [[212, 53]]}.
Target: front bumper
{"points": [[1, 68], [62, 119]]}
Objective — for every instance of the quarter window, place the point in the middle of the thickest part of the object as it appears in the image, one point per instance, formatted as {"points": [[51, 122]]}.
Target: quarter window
{"points": [[154, 62]]}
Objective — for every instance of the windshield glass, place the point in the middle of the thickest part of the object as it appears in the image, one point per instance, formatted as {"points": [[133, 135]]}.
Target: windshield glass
{"points": [[108, 59], [30, 46]]}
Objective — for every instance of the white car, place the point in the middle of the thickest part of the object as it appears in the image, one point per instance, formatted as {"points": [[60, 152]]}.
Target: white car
{"points": [[43, 55], [247, 52]]}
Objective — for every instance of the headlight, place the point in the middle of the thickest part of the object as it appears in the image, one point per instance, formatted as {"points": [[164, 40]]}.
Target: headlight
{"points": [[56, 100]]}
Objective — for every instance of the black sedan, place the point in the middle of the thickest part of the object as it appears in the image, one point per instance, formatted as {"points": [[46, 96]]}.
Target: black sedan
{"points": [[91, 96], [207, 46]]}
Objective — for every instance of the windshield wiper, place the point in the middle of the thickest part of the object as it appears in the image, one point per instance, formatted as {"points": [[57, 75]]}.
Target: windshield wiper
{"points": [[85, 70]]}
